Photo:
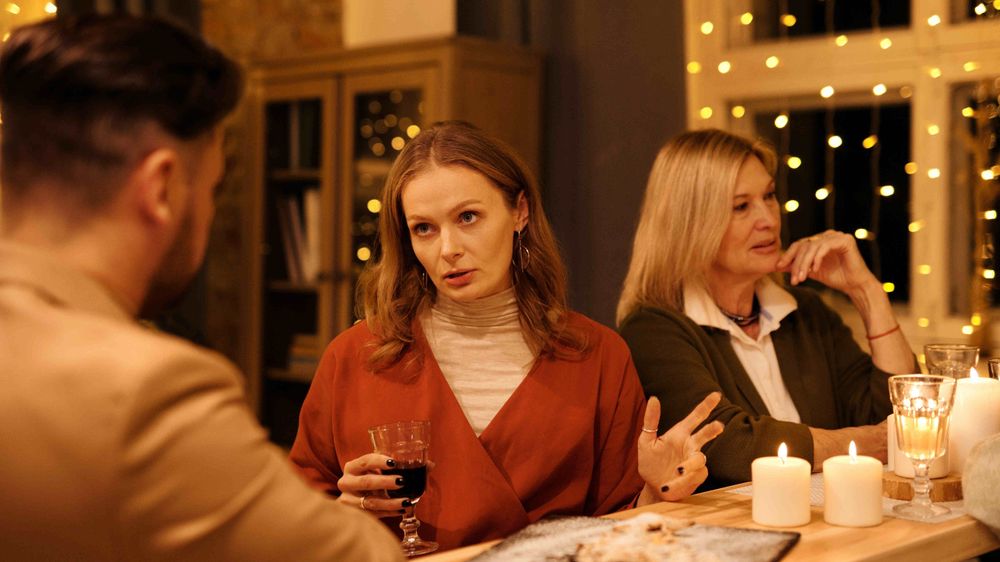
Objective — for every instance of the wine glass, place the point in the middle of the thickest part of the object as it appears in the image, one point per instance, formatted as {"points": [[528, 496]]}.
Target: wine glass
{"points": [[407, 443], [921, 404], [950, 360], [993, 365]]}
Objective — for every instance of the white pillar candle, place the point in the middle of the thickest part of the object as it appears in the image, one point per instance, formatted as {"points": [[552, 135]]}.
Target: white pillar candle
{"points": [[780, 490], [975, 415], [903, 466], [852, 490]]}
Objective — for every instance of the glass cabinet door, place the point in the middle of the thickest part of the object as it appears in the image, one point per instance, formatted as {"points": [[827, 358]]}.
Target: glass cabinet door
{"points": [[385, 111], [293, 284]]}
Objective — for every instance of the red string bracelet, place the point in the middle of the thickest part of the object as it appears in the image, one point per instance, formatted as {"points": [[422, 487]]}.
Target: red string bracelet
{"points": [[883, 334]]}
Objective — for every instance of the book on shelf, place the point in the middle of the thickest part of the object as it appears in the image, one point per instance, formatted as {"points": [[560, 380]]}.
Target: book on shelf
{"points": [[304, 353], [299, 225]]}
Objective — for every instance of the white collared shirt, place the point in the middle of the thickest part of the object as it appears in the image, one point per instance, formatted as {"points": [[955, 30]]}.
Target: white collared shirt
{"points": [[757, 356]]}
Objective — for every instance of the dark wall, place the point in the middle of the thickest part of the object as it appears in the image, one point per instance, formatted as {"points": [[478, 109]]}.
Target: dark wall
{"points": [[614, 93]]}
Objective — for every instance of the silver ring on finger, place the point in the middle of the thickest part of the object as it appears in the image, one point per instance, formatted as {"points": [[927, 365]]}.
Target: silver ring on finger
{"points": [[363, 506]]}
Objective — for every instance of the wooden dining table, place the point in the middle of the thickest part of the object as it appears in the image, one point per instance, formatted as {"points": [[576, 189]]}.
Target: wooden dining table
{"points": [[895, 539]]}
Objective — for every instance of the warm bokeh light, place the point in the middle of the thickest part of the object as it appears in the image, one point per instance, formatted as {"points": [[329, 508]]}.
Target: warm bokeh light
{"points": [[989, 274], [412, 131], [826, 91], [822, 193], [772, 61], [746, 18], [870, 141], [840, 41], [924, 269], [980, 9], [694, 67], [885, 43], [398, 143], [976, 320], [707, 27], [879, 89], [794, 162], [888, 286], [933, 129], [911, 168], [934, 20], [791, 205], [934, 173], [374, 206], [990, 215], [923, 322], [915, 226], [861, 234], [788, 20], [934, 72], [705, 112], [834, 141], [968, 112], [725, 66], [887, 191], [780, 121], [364, 253], [987, 175], [967, 330], [738, 111], [970, 66]]}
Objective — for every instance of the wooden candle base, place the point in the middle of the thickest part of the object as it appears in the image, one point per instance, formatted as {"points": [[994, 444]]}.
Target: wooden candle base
{"points": [[947, 489]]}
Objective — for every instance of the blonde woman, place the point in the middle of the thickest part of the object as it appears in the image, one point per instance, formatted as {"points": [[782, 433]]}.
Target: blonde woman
{"points": [[535, 410], [704, 310]]}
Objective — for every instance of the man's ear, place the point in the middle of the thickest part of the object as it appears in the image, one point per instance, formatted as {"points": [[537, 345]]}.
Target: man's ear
{"points": [[521, 211], [155, 184]]}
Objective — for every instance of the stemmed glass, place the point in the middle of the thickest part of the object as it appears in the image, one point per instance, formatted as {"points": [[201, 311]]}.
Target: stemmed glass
{"points": [[950, 360], [921, 404], [407, 443]]}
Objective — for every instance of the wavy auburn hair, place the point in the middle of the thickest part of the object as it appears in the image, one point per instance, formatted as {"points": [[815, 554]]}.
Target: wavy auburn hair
{"points": [[685, 214], [391, 294]]}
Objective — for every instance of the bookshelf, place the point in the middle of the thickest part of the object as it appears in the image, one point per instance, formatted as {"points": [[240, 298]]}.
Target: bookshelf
{"points": [[324, 131]]}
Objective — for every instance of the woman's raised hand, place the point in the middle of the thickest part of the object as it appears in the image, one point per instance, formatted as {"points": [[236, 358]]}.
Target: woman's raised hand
{"points": [[363, 485], [672, 464], [831, 257]]}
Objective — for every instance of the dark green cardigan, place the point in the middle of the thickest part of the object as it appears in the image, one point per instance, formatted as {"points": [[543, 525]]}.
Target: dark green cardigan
{"points": [[832, 382]]}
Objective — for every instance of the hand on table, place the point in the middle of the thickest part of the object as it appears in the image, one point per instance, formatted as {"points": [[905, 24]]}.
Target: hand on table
{"points": [[831, 257], [363, 485], [672, 464]]}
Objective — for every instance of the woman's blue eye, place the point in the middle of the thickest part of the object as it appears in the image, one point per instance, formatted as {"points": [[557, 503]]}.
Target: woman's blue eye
{"points": [[422, 228], [467, 217]]}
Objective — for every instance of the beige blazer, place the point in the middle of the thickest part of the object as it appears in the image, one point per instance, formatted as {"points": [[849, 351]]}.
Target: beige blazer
{"points": [[118, 443]]}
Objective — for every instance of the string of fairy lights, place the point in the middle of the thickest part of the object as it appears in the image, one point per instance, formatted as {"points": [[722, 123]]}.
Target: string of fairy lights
{"points": [[983, 112]]}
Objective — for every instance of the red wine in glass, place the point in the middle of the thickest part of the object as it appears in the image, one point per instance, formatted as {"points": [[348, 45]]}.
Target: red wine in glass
{"points": [[414, 480]]}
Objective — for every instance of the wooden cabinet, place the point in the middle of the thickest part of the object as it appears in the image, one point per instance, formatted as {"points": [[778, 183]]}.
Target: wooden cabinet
{"points": [[324, 132]]}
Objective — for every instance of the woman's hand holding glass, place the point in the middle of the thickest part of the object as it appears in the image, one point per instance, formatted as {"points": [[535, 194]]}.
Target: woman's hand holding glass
{"points": [[672, 464], [364, 486], [831, 257]]}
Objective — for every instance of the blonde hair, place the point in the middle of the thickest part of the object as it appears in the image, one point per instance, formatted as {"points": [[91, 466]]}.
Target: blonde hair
{"points": [[394, 288], [685, 213]]}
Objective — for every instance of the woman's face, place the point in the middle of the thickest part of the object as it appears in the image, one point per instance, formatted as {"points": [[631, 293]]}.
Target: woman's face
{"points": [[462, 230], [752, 243]]}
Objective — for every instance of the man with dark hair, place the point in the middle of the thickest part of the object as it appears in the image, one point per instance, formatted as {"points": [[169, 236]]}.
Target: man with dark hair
{"points": [[116, 442]]}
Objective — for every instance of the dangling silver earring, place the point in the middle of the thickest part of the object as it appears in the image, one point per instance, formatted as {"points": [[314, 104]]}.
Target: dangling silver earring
{"points": [[522, 256], [423, 280]]}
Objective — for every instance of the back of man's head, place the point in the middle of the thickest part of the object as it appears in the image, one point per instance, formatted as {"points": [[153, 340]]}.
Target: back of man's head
{"points": [[77, 95]]}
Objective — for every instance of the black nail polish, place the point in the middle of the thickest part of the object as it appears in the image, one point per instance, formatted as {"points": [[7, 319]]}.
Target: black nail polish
{"points": [[390, 463], [665, 488], [680, 470], [407, 503], [399, 481]]}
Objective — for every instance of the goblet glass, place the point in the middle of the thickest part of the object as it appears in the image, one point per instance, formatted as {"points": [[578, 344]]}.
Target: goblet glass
{"points": [[994, 367], [407, 443], [921, 404], [950, 360]]}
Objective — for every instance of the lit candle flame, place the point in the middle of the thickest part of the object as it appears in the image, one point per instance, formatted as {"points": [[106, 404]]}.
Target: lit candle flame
{"points": [[782, 452], [973, 373], [854, 452]]}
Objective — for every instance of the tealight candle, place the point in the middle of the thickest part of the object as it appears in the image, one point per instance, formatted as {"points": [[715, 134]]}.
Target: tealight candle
{"points": [[975, 415], [903, 466], [780, 490], [852, 490]]}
